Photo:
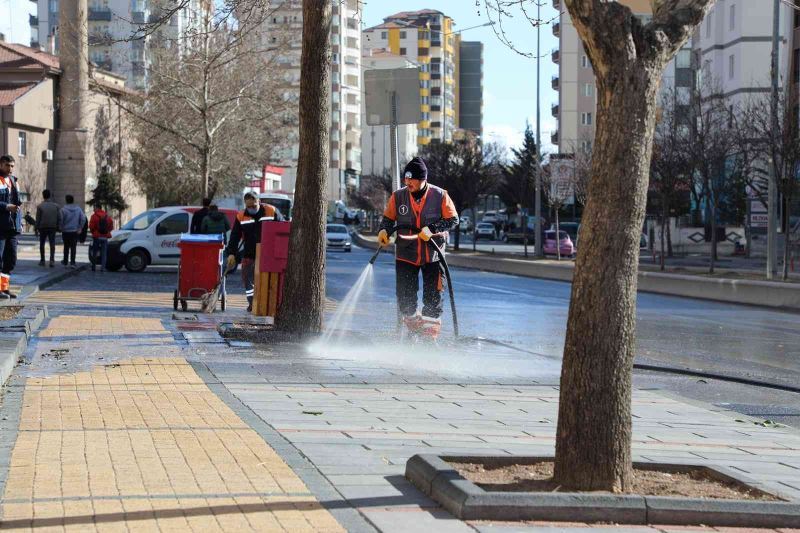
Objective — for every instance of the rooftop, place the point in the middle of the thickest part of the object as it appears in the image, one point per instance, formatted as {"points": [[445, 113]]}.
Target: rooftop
{"points": [[10, 92]]}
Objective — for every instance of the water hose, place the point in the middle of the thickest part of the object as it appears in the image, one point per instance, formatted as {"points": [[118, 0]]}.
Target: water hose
{"points": [[446, 271]]}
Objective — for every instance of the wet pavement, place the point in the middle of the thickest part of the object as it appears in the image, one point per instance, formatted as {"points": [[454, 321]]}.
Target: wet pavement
{"points": [[530, 315]]}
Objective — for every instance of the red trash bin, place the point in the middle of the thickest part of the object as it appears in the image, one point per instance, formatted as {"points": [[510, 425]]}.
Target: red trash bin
{"points": [[200, 268]]}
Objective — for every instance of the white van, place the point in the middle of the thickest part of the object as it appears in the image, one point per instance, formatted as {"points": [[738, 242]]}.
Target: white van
{"points": [[151, 238]]}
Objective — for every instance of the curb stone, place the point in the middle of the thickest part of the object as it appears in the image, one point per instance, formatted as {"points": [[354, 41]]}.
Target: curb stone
{"points": [[467, 501], [14, 336], [49, 281]]}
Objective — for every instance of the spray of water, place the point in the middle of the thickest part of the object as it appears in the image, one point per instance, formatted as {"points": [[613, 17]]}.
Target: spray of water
{"points": [[342, 320]]}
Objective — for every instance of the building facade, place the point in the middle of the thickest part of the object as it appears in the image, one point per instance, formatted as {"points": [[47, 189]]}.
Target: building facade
{"points": [[376, 152], [284, 29], [427, 40], [34, 127], [112, 23], [731, 50]]}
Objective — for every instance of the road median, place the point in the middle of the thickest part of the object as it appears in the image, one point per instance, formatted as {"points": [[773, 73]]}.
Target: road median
{"points": [[738, 291]]}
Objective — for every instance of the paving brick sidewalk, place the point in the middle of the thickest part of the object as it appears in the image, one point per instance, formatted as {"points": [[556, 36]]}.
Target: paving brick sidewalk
{"points": [[121, 421], [143, 444]]}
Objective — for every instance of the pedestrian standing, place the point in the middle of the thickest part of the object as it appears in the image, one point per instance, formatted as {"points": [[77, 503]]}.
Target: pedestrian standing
{"points": [[10, 224], [422, 212], [198, 216], [215, 223], [72, 221], [247, 231], [101, 226], [48, 220]]}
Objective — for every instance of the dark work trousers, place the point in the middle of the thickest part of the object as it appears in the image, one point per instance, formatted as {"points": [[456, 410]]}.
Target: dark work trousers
{"points": [[248, 267], [8, 252], [70, 239], [47, 235], [408, 286]]}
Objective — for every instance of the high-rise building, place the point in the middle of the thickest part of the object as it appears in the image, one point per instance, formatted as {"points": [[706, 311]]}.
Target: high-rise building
{"points": [[425, 38], [112, 23], [731, 49], [284, 30], [469, 97], [376, 152]]}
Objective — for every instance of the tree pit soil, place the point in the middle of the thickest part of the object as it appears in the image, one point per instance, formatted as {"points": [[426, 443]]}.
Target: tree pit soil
{"points": [[538, 477], [8, 312]]}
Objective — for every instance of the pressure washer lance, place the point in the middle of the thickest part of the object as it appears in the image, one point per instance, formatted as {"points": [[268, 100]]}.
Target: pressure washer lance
{"points": [[446, 272], [377, 253]]}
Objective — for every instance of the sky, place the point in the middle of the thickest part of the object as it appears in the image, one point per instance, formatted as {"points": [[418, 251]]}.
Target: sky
{"points": [[14, 20], [509, 79]]}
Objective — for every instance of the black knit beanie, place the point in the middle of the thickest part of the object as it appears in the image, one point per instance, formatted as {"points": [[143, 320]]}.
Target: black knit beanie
{"points": [[416, 169]]}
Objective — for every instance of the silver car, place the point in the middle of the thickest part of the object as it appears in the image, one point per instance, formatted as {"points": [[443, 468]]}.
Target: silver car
{"points": [[337, 237]]}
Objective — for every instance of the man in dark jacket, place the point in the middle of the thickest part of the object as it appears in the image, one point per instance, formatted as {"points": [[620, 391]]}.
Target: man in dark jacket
{"points": [[215, 223], [246, 233], [48, 221], [10, 224], [198, 216]]}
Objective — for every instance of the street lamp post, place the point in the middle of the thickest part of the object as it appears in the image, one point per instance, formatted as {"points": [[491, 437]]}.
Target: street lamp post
{"points": [[537, 225]]}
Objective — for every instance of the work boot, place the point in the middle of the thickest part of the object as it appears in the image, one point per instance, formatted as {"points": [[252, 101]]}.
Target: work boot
{"points": [[9, 294], [429, 328], [52, 263], [41, 263], [412, 323], [249, 304]]}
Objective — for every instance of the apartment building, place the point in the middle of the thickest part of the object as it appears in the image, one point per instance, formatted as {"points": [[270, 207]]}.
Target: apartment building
{"points": [[284, 29], [731, 48], [426, 39], [111, 23], [376, 152]]}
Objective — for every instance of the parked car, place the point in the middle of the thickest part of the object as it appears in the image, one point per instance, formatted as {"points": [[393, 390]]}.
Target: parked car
{"points": [[465, 223], [151, 238], [338, 238], [571, 228], [565, 246], [484, 230], [490, 217]]}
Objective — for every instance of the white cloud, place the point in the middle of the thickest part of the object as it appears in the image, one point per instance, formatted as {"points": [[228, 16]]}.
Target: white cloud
{"points": [[503, 134]]}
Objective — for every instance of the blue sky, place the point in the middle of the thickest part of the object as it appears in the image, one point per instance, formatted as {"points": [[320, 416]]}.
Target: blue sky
{"points": [[14, 20], [509, 79]]}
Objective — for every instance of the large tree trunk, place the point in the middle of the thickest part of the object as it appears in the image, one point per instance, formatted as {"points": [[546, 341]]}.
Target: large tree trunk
{"points": [[304, 286], [663, 232], [594, 416]]}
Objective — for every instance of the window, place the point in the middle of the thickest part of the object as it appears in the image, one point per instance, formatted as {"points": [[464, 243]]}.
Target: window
{"points": [[588, 89], [584, 61], [402, 35], [586, 146], [732, 21], [796, 65], [425, 100], [708, 24], [402, 51], [173, 224], [586, 119], [383, 35], [23, 144], [335, 58], [731, 62], [684, 58]]}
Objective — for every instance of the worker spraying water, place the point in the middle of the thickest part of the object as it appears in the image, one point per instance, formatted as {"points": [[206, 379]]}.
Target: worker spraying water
{"points": [[419, 213]]}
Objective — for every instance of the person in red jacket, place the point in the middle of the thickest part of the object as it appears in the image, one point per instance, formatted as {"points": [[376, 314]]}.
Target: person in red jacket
{"points": [[101, 226]]}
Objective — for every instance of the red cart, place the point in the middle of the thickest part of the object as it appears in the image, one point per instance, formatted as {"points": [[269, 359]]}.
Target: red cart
{"points": [[200, 269]]}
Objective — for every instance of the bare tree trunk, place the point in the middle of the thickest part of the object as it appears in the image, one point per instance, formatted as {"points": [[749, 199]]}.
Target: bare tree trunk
{"points": [[301, 310], [474, 230], [593, 442], [669, 238], [663, 233], [786, 236], [713, 234]]}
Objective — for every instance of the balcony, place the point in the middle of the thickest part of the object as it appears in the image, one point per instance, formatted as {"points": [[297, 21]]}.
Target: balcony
{"points": [[33, 20], [554, 137], [557, 29], [554, 110], [104, 64], [554, 83], [555, 55], [99, 13], [557, 4]]}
